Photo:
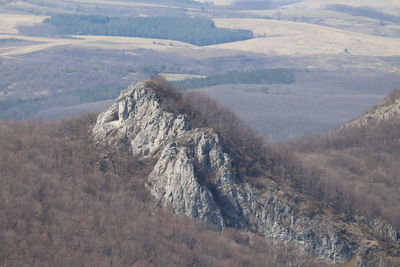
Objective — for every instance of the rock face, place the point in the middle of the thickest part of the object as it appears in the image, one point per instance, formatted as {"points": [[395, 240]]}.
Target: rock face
{"points": [[388, 108], [194, 176]]}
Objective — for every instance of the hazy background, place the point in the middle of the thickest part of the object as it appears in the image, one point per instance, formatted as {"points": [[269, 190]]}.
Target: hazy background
{"points": [[344, 56]]}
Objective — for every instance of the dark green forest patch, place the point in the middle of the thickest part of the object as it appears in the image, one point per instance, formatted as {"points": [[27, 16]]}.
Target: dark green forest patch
{"points": [[197, 31]]}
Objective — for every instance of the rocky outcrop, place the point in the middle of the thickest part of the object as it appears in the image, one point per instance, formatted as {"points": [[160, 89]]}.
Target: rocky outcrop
{"points": [[193, 175], [137, 120], [388, 108]]}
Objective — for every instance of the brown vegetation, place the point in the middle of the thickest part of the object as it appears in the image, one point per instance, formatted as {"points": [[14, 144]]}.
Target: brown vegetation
{"points": [[62, 203], [353, 171], [238, 139], [357, 168]]}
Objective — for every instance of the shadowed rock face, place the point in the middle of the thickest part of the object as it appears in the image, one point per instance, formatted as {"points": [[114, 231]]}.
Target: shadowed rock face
{"points": [[194, 176]]}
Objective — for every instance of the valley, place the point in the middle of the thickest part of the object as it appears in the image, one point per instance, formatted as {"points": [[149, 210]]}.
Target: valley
{"points": [[199, 133]]}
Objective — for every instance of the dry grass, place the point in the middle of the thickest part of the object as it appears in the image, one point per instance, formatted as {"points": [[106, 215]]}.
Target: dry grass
{"points": [[295, 38], [102, 42], [282, 38], [218, 2], [306, 13], [10, 22], [119, 3], [117, 42], [34, 48], [389, 6], [180, 76], [114, 43]]}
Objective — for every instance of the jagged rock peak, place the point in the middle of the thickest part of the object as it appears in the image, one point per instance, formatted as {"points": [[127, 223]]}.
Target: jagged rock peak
{"points": [[141, 122], [193, 175], [138, 121]]}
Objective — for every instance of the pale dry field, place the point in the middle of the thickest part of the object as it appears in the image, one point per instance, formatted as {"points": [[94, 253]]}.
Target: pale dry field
{"points": [[10, 22], [180, 76], [117, 42], [388, 6], [113, 43], [276, 37], [310, 13], [119, 3], [43, 43], [89, 41], [217, 2]]}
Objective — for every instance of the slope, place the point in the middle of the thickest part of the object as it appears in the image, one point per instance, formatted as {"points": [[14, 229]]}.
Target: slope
{"points": [[63, 204], [278, 37], [359, 163], [209, 165]]}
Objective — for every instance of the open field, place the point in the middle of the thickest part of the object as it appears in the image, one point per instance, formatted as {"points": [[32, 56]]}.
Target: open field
{"points": [[119, 3], [330, 18], [389, 6], [102, 7], [283, 38], [42, 43], [306, 13], [10, 22], [180, 76], [98, 42], [296, 38], [218, 2]]}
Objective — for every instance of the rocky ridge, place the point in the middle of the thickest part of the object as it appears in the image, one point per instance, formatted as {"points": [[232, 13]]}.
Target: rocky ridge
{"points": [[193, 175], [388, 108]]}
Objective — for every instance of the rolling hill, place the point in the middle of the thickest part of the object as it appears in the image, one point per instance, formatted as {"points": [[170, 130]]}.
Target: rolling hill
{"points": [[75, 189]]}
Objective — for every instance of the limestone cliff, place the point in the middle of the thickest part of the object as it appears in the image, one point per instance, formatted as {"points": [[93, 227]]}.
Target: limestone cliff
{"points": [[193, 175]]}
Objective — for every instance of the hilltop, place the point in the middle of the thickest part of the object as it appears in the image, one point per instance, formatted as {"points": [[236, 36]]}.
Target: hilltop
{"points": [[209, 165], [81, 187], [63, 203]]}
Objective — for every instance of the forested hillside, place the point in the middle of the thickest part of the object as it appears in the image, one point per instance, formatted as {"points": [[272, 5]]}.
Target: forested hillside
{"points": [[63, 204], [197, 31], [357, 166]]}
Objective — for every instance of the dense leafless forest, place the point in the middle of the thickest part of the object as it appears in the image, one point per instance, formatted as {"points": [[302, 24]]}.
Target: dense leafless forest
{"points": [[276, 94], [63, 203], [358, 166], [353, 170]]}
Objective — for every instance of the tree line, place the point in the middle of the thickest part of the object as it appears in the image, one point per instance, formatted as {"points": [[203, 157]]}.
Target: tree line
{"points": [[197, 31]]}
